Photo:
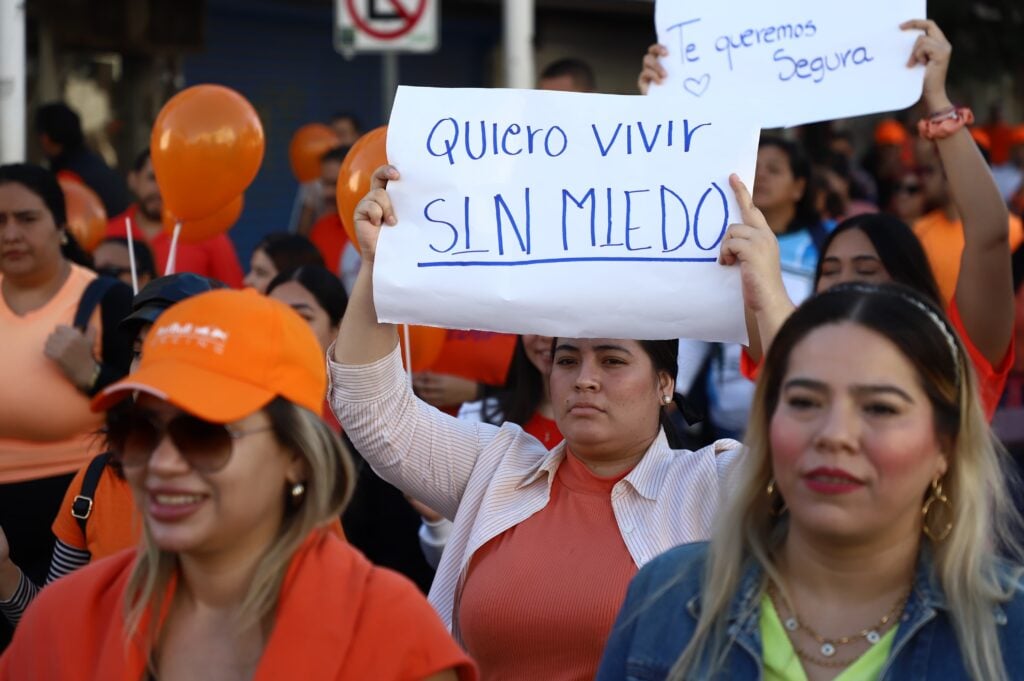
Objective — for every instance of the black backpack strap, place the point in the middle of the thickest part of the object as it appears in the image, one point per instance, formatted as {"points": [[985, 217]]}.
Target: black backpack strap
{"points": [[81, 508], [90, 299]]}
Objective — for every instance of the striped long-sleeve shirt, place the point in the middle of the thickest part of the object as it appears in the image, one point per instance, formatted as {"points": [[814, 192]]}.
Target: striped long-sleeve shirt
{"points": [[489, 479], [66, 559]]}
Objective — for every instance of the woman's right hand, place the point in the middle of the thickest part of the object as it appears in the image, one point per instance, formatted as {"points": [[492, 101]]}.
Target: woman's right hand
{"points": [[374, 211], [932, 50], [652, 71], [754, 247]]}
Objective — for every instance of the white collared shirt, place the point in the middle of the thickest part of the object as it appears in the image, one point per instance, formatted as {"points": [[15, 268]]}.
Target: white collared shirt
{"points": [[488, 479]]}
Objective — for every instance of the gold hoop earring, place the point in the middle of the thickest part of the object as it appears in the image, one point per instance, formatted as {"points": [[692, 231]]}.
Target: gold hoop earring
{"points": [[770, 491], [937, 495]]}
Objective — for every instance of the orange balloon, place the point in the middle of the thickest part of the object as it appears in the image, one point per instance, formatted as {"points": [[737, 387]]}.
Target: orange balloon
{"points": [[309, 143], [207, 145], [366, 155], [208, 227], [87, 219], [427, 343]]}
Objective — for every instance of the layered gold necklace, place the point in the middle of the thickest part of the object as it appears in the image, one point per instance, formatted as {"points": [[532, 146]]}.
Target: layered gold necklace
{"points": [[828, 647]]}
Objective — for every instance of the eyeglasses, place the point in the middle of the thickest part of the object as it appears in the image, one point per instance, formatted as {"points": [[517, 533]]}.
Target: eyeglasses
{"points": [[207, 447]]}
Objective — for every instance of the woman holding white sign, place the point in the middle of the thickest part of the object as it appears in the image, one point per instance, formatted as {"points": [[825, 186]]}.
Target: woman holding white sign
{"points": [[880, 248], [544, 542]]}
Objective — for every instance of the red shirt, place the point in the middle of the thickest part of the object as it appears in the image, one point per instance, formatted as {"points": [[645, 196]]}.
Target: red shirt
{"points": [[329, 237], [544, 429], [214, 258], [540, 598]]}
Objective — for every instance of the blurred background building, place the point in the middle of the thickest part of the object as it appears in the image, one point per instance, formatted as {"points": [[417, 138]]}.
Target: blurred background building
{"points": [[117, 61]]}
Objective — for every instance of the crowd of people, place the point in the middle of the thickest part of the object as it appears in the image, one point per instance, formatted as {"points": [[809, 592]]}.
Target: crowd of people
{"points": [[218, 476]]}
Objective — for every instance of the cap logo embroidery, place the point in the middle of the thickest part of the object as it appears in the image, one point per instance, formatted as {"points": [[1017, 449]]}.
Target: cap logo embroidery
{"points": [[202, 336]]}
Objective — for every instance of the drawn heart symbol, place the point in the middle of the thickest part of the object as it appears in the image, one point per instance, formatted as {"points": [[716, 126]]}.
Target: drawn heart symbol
{"points": [[697, 86]]}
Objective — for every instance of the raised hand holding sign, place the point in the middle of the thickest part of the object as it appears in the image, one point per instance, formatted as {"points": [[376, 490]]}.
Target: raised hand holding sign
{"points": [[795, 61], [517, 214]]}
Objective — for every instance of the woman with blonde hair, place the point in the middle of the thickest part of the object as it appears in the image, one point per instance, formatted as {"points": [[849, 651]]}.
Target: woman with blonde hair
{"points": [[864, 538], [239, 574]]}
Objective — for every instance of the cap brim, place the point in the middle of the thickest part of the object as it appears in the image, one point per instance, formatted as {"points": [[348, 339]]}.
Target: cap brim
{"points": [[200, 392], [144, 315]]}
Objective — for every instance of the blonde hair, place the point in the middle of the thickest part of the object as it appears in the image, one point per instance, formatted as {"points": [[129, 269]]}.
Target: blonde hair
{"points": [[749, 528], [329, 483]]}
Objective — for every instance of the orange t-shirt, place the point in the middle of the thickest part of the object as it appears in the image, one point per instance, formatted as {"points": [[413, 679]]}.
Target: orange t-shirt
{"points": [[943, 243], [480, 356], [338, 618], [215, 257], [991, 378], [112, 526], [329, 237], [540, 598], [46, 426]]}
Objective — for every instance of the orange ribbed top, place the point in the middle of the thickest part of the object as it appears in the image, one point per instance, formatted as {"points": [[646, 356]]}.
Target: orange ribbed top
{"points": [[540, 599]]}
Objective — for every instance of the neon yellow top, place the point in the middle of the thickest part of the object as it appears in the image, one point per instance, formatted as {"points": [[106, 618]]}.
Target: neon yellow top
{"points": [[781, 662]]}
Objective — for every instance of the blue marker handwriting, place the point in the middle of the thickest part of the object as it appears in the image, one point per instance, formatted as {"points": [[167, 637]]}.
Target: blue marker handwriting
{"points": [[685, 49], [473, 140], [764, 36], [596, 224], [817, 67]]}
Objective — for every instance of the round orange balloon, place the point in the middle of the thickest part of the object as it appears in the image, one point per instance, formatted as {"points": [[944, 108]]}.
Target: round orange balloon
{"points": [[207, 145], [366, 155], [426, 342], [87, 220], [208, 227], [309, 143]]}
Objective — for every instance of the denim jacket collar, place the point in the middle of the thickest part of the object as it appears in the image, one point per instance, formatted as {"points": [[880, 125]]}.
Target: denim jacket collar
{"points": [[743, 621]]}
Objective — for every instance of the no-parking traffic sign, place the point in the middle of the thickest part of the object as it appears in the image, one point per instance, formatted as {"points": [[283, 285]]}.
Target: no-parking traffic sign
{"points": [[385, 25]]}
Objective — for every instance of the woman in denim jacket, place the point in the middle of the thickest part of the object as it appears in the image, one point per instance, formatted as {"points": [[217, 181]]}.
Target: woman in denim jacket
{"points": [[862, 541]]}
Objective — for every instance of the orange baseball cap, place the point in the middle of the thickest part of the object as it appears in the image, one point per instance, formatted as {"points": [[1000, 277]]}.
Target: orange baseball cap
{"points": [[226, 354], [890, 131]]}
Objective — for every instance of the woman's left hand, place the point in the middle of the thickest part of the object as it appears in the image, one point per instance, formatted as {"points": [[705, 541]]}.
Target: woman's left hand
{"points": [[443, 390], [933, 51], [753, 246], [72, 350]]}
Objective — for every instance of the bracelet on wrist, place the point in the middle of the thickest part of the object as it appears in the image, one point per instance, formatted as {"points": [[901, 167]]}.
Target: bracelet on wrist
{"points": [[942, 112], [941, 125]]}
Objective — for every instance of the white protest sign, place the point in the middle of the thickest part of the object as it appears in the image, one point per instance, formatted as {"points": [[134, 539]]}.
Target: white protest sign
{"points": [[792, 61], [563, 214]]}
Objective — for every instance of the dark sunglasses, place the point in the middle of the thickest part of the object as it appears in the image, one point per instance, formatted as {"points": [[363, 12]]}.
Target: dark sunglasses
{"points": [[136, 434]]}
